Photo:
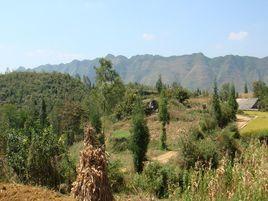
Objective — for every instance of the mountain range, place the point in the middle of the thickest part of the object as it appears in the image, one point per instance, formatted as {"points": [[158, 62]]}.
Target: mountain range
{"points": [[191, 71]]}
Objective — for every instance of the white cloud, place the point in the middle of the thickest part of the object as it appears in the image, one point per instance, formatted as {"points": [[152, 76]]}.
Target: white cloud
{"points": [[238, 35], [148, 37]]}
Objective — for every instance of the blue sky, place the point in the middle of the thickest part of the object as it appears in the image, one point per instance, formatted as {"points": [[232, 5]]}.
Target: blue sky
{"points": [[34, 32]]}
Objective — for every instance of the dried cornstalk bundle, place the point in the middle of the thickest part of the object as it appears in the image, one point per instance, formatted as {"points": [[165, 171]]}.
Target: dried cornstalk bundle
{"points": [[92, 182]]}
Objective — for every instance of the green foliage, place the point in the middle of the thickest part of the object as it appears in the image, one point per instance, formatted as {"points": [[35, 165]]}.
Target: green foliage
{"points": [[140, 137], [125, 108], [66, 119], [225, 92], [157, 180], [17, 153], [207, 123], [163, 114], [179, 93], [159, 84], [42, 160], [120, 141], [201, 153], [232, 102], [23, 88], [116, 177], [216, 107], [246, 88], [109, 86]]}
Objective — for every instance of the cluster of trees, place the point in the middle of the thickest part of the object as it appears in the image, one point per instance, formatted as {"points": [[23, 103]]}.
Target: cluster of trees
{"points": [[260, 90]]}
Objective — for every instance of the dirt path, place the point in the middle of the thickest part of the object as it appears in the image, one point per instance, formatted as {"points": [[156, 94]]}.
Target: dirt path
{"points": [[242, 120], [164, 158]]}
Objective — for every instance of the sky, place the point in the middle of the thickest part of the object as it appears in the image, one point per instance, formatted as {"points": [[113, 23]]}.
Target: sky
{"points": [[35, 32]]}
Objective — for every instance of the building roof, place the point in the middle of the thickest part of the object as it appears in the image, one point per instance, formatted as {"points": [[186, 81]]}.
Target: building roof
{"points": [[247, 103]]}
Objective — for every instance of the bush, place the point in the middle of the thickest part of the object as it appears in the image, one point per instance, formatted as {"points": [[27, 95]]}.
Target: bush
{"points": [[119, 144], [201, 152], [207, 123], [116, 177], [158, 180]]}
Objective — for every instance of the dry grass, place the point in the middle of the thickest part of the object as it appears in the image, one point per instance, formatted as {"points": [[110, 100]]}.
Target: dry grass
{"points": [[18, 192]]}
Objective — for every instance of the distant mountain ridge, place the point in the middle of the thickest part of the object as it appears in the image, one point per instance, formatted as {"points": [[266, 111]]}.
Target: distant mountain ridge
{"points": [[192, 71]]}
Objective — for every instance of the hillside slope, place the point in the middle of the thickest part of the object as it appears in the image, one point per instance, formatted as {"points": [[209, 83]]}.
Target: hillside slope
{"points": [[22, 87], [192, 71]]}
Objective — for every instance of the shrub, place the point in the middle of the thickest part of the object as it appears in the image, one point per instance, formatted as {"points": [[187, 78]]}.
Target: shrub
{"points": [[116, 177], [207, 123], [156, 179], [119, 144], [204, 152]]}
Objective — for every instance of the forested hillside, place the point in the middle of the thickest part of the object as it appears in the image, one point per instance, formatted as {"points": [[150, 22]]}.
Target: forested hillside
{"points": [[192, 71], [26, 87]]}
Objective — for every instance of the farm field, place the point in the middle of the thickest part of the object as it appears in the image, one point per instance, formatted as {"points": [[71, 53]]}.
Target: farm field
{"points": [[259, 123]]}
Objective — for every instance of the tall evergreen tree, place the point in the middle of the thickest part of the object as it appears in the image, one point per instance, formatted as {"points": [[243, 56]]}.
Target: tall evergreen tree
{"points": [[216, 107], [232, 102], [246, 88], [140, 137], [43, 114], [159, 84], [164, 118]]}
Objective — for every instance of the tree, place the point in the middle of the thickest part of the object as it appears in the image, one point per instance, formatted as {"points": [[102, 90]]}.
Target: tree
{"points": [[216, 107], [109, 85], [43, 114], [43, 158], [159, 84], [140, 137], [232, 102], [260, 89], [95, 119], [246, 88], [225, 92], [164, 118]]}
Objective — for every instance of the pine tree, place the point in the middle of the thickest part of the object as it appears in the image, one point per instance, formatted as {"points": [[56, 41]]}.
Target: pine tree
{"points": [[216, 107], [164, 118], [159, 84], [246, 88], [140, 137], [43, 114], [232, 102], [95, 119]]}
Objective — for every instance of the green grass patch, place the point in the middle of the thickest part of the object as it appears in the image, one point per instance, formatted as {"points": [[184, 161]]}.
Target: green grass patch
{"points": [[120, 134], [256, 125]]}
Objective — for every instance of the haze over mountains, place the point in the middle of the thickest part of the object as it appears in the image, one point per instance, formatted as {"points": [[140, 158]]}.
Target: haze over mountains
{"points": [[192, 71]]}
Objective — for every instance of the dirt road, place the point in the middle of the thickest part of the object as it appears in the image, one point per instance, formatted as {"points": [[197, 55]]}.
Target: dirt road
{"points": [[164, 158]]}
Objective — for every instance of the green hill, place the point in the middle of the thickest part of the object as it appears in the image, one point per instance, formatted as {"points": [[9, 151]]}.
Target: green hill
{"points": [[21, 87]]}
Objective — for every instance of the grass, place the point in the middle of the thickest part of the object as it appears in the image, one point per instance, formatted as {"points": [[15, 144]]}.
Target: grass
{"points": [[258, 124], [121, 134]]}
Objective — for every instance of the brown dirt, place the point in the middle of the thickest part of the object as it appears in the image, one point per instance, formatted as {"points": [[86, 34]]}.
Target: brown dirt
{"points": [[164, 158], [19, 192]]}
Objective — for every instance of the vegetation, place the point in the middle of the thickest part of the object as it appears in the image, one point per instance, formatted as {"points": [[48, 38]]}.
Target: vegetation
{"points": [[140, 137], [208, 158], [164, 118]]}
